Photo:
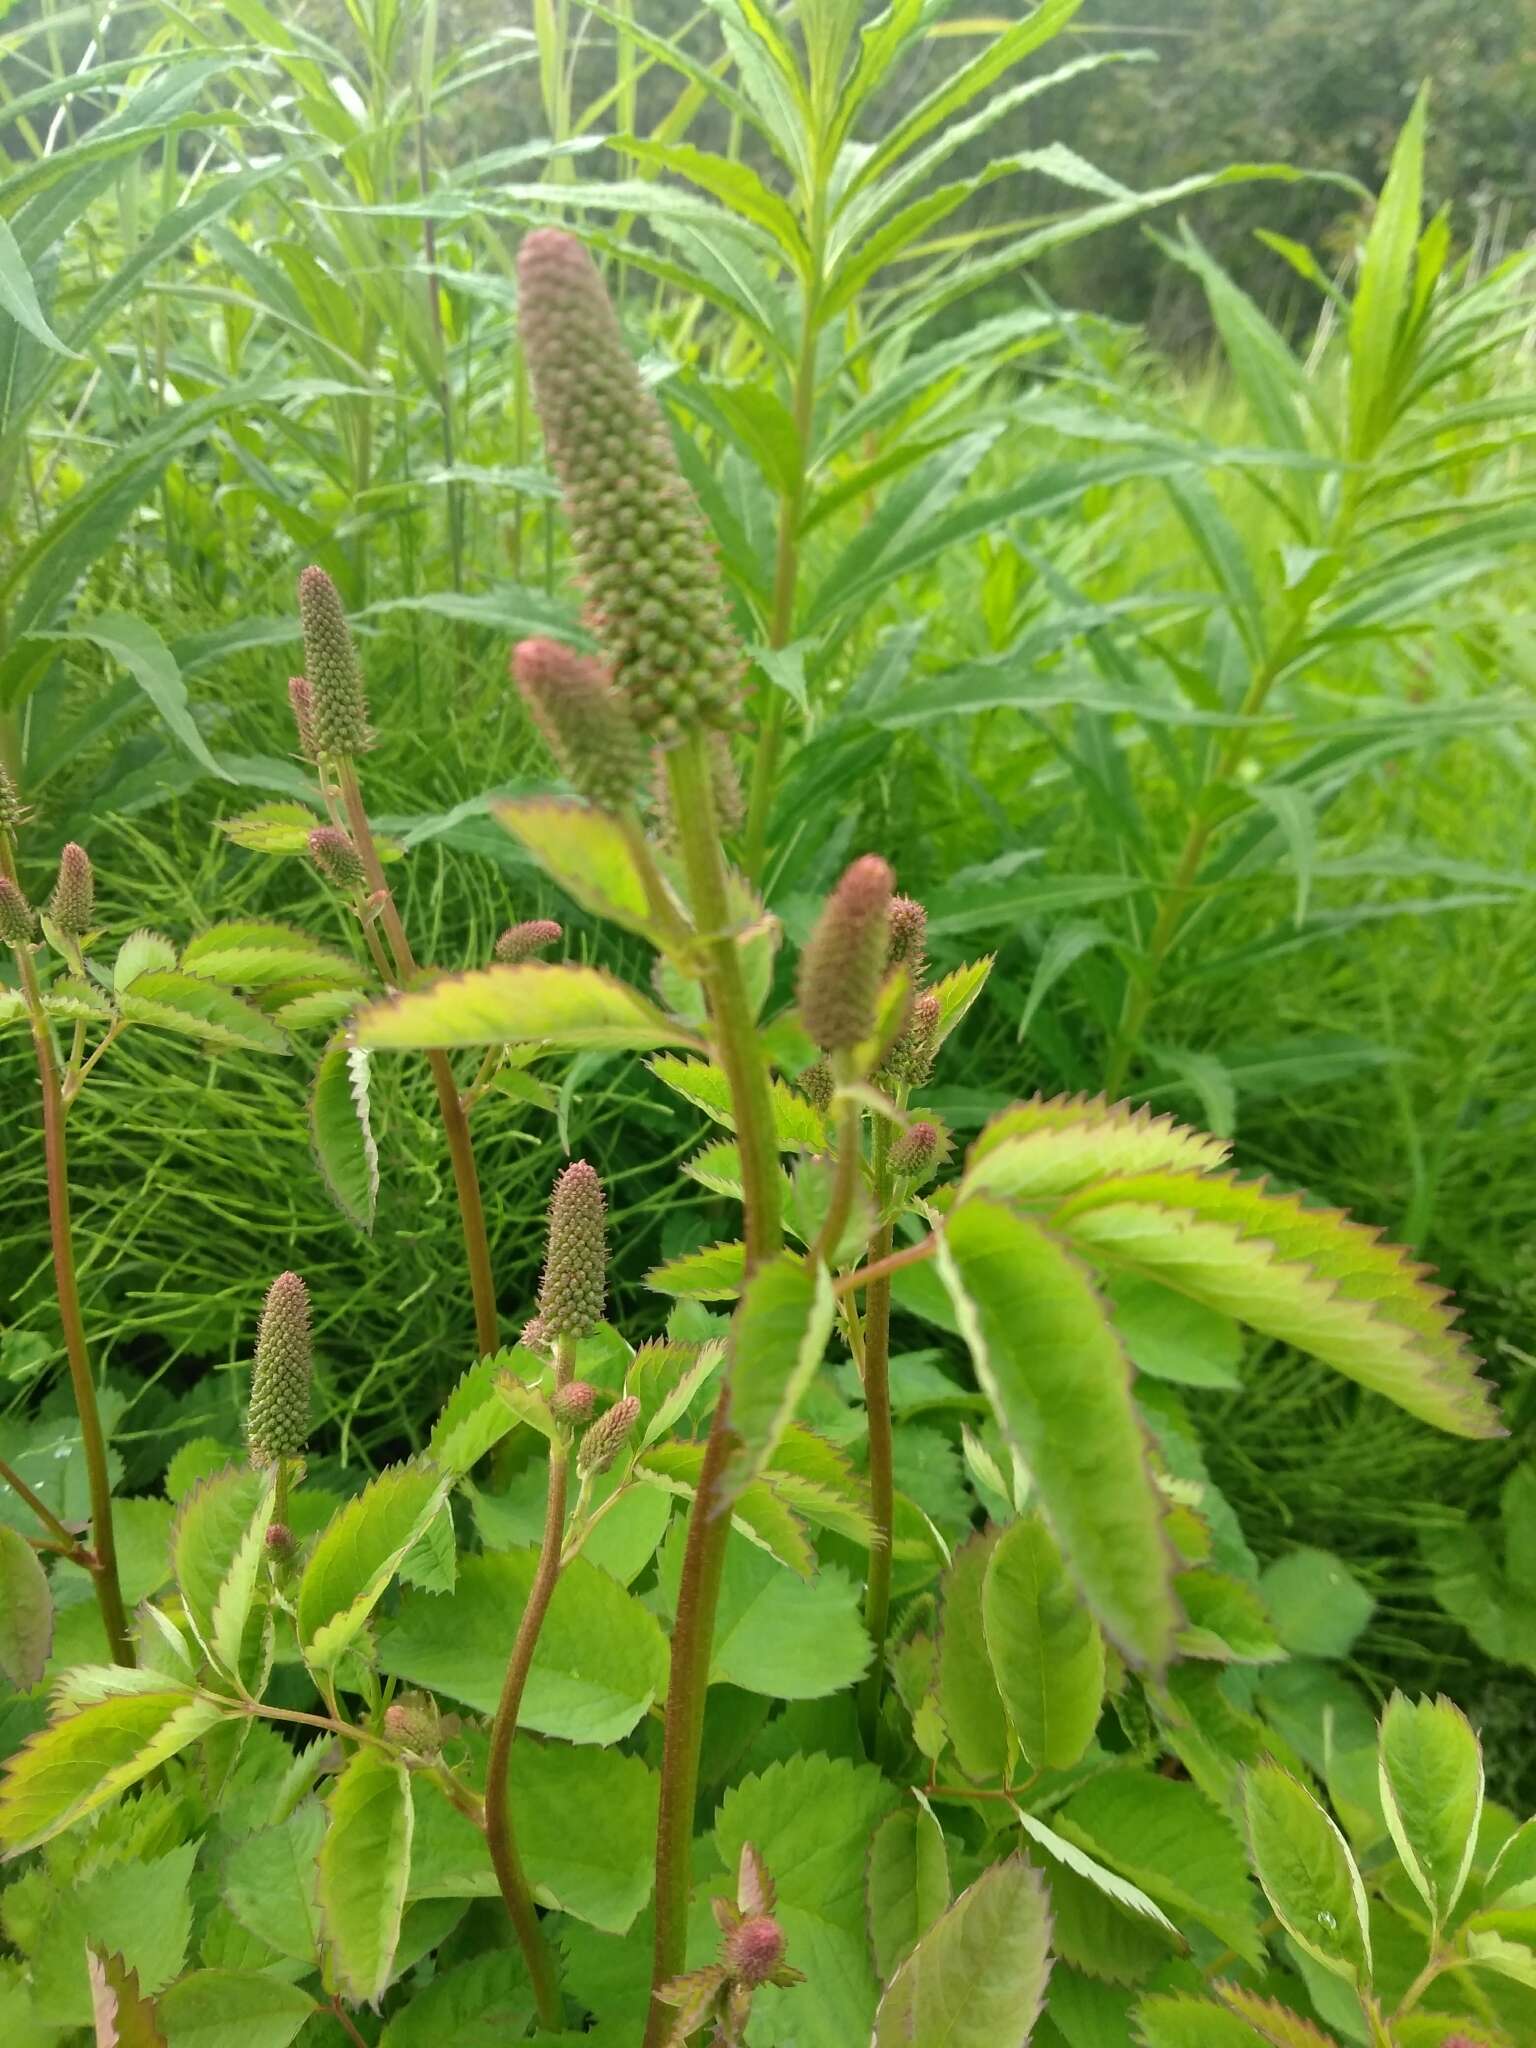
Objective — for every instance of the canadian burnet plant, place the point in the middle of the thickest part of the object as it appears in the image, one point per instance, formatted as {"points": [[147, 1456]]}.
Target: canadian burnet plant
{"points": [[927, 1770]]}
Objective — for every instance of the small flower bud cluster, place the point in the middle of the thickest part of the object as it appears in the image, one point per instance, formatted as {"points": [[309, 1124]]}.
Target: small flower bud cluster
{"points": [[414, 1722], [522, 941], [817, 1084], [279, 1418], [909, 1063], [12, 811], [18, 919], [655, 600], [751, 1955], [844, 958], [913, 1152], [301, 699], [279, 1542], [573, 1403], [908, 938], [338, 707], [72, 906], [608, 1436], [584, 720], [574, 1284], [338, 860]]}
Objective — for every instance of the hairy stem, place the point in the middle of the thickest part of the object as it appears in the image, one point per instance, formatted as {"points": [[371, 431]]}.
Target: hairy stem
{"points": [[735, 1043], [498, 1809], [882, 1268], [103, 1567], [882, 1483], [846, 1183], [455, 1123]]}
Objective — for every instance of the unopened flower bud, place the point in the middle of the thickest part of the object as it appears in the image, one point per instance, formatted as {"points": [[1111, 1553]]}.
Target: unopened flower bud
{"points": [[844, 958], [909, 1063], [655, 600], [302, 700], [522, 941], [338, 706], [908, 931], [12, 811], [754, 1950], [575, 1266], [816, 1085], [338, 860], [72, 905], [608, 1436], [584, 720], [573, 1402], [279, 1417], [534, 1336], [413, 1721], [916, 1152], [17, 917], [279, 1542]]}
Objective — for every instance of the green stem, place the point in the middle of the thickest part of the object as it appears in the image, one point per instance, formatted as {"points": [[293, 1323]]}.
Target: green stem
{"points": [[455, 1123], [499, 1837], [882, 1482], [103, 1568], [280, 1491], [740, 1056], [846, 1183]]}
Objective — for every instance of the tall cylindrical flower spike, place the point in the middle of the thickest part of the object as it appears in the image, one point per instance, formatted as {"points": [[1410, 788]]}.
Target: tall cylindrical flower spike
{"points": [[337, 858], [914, 1153], [908, 937], [654, 595], [608, 1436], [11, 809], [576, 1263], [72, 905], [584, 720], [816, 1085], [844, 957], [909, 1063], [301, 699], [338, 706], [279, 1419], [17, 917], [522, 941]]}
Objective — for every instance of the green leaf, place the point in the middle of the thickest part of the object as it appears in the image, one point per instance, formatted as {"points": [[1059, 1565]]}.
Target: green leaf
{"points": [[968, 1694], [365, 1863], [18, 294], [341, 1133], [601, 1658], [218, 1550], [1511, 1880], [123, 2016], [26, 1611], [232, 2009], [586, 852], [1042, 1148], [78, 1764], [1386, 275], [1511, 1959], [1060, 1384], [1274, 2022], [1173, 1338], [142, 952], [474, 1418], [1316, 1603], [256, 955], [977, 1977], [778, 1338], [798, 1125], [777, 1633], [579, 1008], [1175, 2021], [1224, 1618], [714, 1274], [356, 1556], [906, 1884], [270, 1881], [1306, 1276], [137, 647], [601, 1875], [272, 828], [171, 1001], [1106, 1882], [1045, 1647], [482, 2003], [1432, 1795], [1307, 1872]]}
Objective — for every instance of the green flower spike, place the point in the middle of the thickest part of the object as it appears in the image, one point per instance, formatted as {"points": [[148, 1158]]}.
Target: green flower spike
{"points": [[338, 706], [816, 1085], [337, 858], [916, 1152], [72, 905], [279, 1418], [844, 958], [18, 919], [655, 601], [584, 720], [576, 1264], [909, 1063], [522, 941], [608, 1436], [12, 810], [302, 700], [908, 937]]}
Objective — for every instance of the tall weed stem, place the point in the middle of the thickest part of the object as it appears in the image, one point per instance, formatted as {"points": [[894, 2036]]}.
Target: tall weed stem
{"points": [[882, 1484]]}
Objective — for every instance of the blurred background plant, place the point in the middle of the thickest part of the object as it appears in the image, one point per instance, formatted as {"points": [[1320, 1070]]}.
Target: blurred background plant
{"points": [[1149, 588]]}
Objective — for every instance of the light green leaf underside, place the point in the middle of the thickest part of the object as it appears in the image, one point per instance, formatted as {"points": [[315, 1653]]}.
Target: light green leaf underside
{"points": [[798, 1125], [184, 1003], [365, 1863], [778, 1337], [580, 1008], [977, 1978], [1041, 1148], [585, 852], [341, 1132], [1307, 1872], [1046, 1650], [68, 1770]]}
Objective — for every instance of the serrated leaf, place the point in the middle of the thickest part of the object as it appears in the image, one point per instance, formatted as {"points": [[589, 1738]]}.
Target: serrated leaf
{"points": [[218, 1545], [1274, 2023], [26, 1611], [718, 1168], [568, 1006], [172, 1001], [956, 992], [474, 1418], [1170, 2020], [777, 1342], [270, 1879], [586, 852], [714, 1274], [272, 828], [232, 2009], [906, 1883], [1306, 1276], [1511, 1880], [1224, 1618], [142, 952], [72, 998], [341, 1133], [316, 1009], [256, 955], [432, 1562], [777, 1633], [968, 1697], [1042, 1148], [69, 1769], [1049, 1362], [601, 1875], [1046, 1650], [122, 2017], [357, 1554], [1307, 1872], [665, 1378], [1511, 1959], [798, 1125], [481, 2003], [1093, 1872], [365, 1863], [977, 1977], [1431, 1768]]}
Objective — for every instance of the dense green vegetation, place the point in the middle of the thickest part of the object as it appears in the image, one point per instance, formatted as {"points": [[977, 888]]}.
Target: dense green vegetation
{"points": [[1191, 687]]}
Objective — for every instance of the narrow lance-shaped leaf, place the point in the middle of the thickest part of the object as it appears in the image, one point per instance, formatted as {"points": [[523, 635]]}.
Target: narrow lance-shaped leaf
{"points": [[1049, 1361], [977, 1978], [365, 1865], [1045, 1647]]}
